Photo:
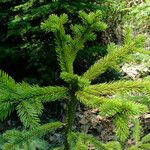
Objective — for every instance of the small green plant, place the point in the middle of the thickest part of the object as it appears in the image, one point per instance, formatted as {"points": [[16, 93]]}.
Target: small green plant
{"points": [[28, 100]]}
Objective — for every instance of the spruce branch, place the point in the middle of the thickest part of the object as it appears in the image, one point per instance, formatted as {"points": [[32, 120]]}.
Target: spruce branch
{"points": [[28, 115], [16, 92], [6, 108], [97, 144], [121, 86], [136, 130], [29, 101], [146, 139], [112, 107], [80, 140], [121, 127], [32, 95], [43, 94], [67, 46], [16, 138], [113, 145], [116, 55], [82, 33], [143, 144], [119, 110], [75, 142], [25, 6], [7, 83], [89, 99], [110, 60], [56, 25], [26, 99]]}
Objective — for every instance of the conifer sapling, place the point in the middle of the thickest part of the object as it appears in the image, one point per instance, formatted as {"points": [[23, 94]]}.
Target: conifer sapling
{"points": [[28, 100]]}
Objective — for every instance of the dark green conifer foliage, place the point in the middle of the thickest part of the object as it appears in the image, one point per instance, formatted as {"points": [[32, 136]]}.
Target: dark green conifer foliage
{"points": [[28, 100]]}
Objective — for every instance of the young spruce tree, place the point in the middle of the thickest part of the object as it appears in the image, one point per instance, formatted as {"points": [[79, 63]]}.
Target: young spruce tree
{"points": [[28, 100]]}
